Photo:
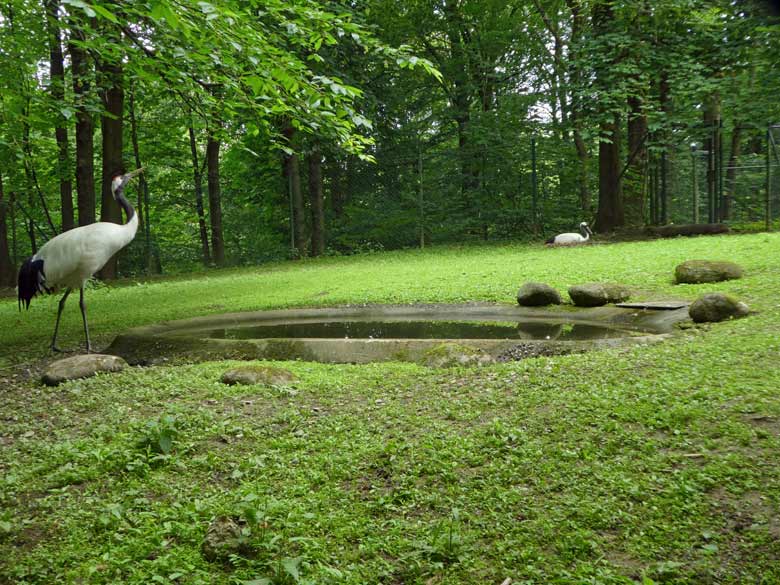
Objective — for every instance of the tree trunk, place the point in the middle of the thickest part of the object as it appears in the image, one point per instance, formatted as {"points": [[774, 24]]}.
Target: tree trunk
{"points": [[336, 176], [57, 89], [610, 212], [215, 198], [198, 178], [143, 190], [85, 167], [7, 268], [635, 181], [731, 171], [575, 113], [293, 175], [711, 117], [113, 96], [316, 202]]}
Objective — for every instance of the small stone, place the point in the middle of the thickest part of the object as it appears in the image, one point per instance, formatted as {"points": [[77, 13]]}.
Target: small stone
{"points": [[250, 375], [714, 307], [81, 366], [596, 294], [537, 294], [224, 538], [449, 355], [704, 271]]}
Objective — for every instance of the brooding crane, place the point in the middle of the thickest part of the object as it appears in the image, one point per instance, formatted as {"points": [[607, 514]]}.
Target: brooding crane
{"points": [[569, 239], [70, 259]]}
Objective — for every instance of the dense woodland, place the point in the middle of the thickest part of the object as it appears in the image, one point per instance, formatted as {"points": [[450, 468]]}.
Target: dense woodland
{"points": [[275, 129]]}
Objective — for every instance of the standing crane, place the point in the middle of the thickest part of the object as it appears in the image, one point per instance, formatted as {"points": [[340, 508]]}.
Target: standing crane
{"points": [[569, 239], [70, 259]]}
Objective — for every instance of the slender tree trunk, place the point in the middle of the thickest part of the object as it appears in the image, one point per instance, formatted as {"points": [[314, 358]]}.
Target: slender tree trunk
{"points": [[113, 97], [731, 171], [7, 268], [57, 89], [198, 179], [711, 117], [293, 174], [143, 190], [316, 202], [336, 176], [215, 198], [635, 180], [85, 166], [575, 114]]}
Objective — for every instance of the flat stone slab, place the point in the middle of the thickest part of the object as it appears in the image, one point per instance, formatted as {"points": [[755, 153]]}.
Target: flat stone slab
{"points": [[81, 366], [655, 305]]}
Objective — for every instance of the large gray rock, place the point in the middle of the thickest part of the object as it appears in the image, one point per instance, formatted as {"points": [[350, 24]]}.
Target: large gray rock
{"points": [[225, 537], [81, 366], [717, 307], [596, 294], [250, 375], [537, 294], [703, 271], [448, 355]]}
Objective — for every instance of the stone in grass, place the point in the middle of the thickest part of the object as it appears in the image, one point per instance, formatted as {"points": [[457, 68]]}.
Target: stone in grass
{"points": [[537, 294], [704, 271], [448, 355], [596, 294], [225, 537], [249, 375], [716, 307], [81, 366]]}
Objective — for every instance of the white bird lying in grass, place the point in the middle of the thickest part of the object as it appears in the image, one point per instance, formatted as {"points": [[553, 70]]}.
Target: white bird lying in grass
{"points": [[71, 258], [570, 239]]}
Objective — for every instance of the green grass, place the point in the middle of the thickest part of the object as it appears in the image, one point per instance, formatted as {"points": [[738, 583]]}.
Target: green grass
{"points": [[656, 464]]}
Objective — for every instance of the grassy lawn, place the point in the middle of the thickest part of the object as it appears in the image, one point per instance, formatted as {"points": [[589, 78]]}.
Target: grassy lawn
{"points": [[656, 464]]}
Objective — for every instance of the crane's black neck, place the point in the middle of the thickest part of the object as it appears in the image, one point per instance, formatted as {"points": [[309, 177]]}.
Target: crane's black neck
{"points": [[119, 195]]}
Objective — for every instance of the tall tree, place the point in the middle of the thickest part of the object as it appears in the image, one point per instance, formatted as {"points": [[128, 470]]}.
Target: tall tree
{"points": [[197, 175], [7, 269], [85, 171], [316, 202], [215, 196], [57, 89]]}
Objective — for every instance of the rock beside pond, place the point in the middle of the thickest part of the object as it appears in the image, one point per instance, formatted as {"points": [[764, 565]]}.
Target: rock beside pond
{"points": [[448, 355], [223, 539], [537, 294], [250, 375], [596, 294], [81, 366], [703, 271], [716, 307]]}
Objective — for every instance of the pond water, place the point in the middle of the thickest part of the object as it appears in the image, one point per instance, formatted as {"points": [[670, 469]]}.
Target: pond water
{"points": [[422, 329]]}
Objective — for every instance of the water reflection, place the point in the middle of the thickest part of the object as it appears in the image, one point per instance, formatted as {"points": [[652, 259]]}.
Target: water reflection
{"points": [[528, 330]]}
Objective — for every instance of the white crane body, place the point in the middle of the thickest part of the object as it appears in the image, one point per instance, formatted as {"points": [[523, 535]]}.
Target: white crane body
{"points": [[71, 258], [570, 238]]}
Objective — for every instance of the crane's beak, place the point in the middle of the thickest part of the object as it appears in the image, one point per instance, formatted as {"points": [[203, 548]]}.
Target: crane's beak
{"points": [[125, 179]]}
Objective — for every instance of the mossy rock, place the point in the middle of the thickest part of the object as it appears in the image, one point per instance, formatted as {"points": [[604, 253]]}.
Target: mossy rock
{"points": [[448, 355], [704, 271], [81, 366], [714, 307], [250, 375], [224, 538], [596, 294], [537, 294]]}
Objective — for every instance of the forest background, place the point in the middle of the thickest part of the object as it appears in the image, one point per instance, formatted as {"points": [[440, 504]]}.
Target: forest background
{"points": [[276, 129]]}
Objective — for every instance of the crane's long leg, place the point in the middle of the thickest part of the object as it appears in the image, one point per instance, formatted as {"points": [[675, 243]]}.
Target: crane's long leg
{"points": [[83, 308], [57, 324]]}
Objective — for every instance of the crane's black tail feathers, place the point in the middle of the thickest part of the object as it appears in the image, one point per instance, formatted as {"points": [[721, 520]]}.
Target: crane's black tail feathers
{"points": [[550, 241], [31, 281]]}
